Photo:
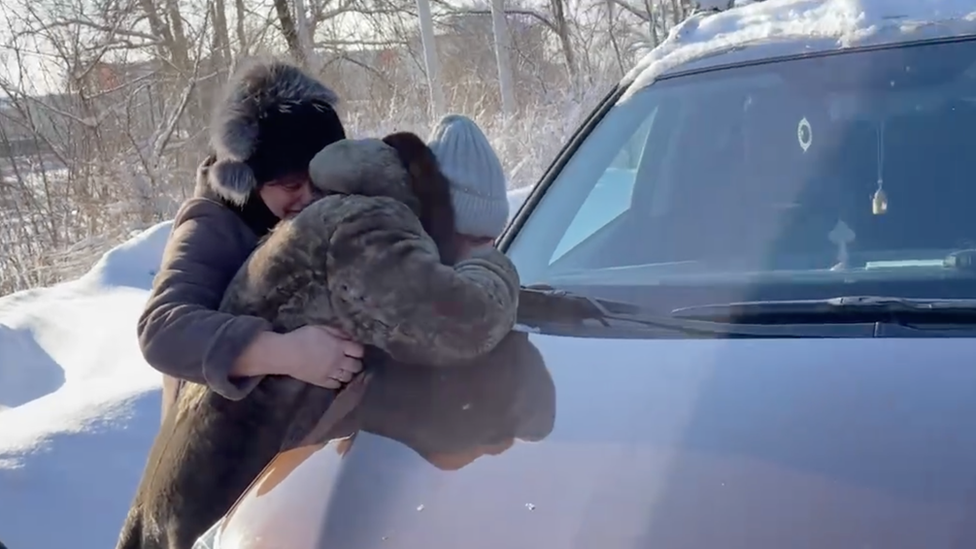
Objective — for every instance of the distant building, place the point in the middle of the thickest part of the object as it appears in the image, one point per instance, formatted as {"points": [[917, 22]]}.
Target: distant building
{"points": [[106, 77], [29, 124]]}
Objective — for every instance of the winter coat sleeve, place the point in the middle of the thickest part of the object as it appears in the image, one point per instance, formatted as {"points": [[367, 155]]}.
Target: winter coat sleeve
{"points": [[181, 333], [389, 288]]}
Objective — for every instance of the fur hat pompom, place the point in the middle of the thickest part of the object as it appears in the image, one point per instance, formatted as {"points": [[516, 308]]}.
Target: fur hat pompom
{"points": [[234, 180]]}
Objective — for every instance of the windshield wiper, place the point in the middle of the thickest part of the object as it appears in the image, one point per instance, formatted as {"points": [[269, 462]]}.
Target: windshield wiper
{"points": [[838, 310], [545, 303]]}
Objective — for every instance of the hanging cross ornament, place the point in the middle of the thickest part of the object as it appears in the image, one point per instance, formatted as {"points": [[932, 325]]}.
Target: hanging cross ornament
{"points": [[804, 134], [879, 200], [841, 236]]}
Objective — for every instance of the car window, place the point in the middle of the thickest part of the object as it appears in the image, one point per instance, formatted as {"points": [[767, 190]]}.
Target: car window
{"points": [[611, 194], [816, 175]]}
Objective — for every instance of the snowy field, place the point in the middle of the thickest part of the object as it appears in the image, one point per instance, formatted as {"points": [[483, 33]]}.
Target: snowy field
{"points": [[79, 406]]}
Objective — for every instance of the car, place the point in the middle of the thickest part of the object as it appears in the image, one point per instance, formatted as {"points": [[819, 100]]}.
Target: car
{"points": [[748, 318]]}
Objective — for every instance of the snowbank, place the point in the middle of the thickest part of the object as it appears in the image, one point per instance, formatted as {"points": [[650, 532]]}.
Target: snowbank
{"points": [[79, 407]]}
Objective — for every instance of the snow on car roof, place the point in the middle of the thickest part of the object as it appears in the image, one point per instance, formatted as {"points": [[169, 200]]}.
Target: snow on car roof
{"points": [[800, 26]]}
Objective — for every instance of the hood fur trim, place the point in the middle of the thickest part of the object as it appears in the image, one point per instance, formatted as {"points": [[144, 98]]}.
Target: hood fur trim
{"points": [[257, 88], [399, 166], [367, 167]]}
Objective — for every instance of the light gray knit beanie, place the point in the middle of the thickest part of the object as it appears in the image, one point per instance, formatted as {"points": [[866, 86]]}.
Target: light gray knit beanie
{"points": [[478, 185]]}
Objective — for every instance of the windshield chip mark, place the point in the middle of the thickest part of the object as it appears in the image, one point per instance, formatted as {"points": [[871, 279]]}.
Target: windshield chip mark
{"points": [[804, 134]]}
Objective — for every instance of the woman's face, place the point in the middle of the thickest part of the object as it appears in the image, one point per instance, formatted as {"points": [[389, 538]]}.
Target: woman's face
{"points": [[286, 196], [466, 243]]}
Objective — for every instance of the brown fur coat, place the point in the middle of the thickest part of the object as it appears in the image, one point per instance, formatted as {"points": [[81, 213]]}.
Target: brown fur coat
{"points": [[362, 258]]}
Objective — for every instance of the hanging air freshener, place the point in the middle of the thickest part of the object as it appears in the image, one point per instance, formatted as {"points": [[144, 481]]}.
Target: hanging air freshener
{"points": [[879, 201], [804, 134]]}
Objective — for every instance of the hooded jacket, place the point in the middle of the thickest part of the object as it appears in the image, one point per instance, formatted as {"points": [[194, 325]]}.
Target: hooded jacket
{"points": [[181, 333]]}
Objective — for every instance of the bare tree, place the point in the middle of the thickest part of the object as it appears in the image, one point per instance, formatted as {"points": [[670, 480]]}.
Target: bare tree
{"points": [[500, 28]]}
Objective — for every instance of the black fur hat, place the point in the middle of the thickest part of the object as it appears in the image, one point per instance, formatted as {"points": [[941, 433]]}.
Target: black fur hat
{"points": [[272, 120]]}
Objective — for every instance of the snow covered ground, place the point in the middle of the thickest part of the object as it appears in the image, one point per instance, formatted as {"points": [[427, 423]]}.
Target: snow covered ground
{"points": [[79, 406]]}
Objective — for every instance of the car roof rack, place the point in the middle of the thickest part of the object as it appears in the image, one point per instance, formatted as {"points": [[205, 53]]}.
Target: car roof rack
{"points": [[718, 6]]}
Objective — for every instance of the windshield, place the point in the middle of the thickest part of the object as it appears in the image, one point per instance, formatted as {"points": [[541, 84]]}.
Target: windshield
{"points": [[849, 173]]}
